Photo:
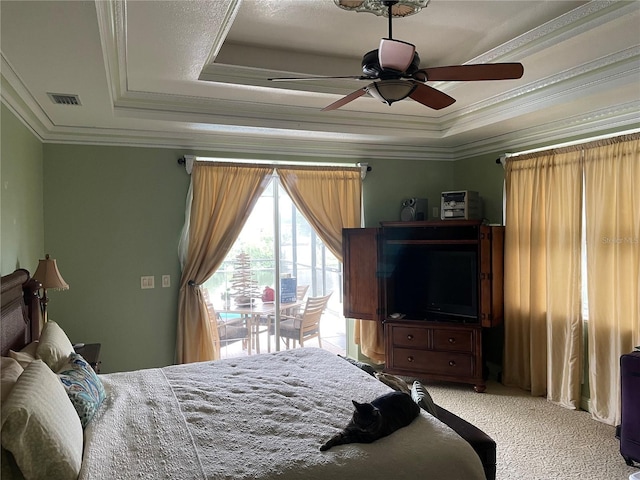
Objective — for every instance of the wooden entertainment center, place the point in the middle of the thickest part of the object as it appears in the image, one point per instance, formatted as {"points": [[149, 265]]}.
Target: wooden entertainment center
{"points": [[437, 287]]}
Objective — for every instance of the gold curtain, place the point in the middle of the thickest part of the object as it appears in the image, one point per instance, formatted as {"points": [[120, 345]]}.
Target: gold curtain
{"points": [[223, 196], [330, 198], [543, 322], [612, 212], [370, 336], [609, 170]]}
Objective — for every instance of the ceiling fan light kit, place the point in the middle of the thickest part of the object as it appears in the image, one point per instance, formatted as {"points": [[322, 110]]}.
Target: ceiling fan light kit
{"points": [[389, 91], [399, 8]]}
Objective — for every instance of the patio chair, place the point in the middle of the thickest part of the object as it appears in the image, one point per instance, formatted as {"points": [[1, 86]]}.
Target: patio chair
{"points": [[301, 291], [230, 330], [306, 325]]}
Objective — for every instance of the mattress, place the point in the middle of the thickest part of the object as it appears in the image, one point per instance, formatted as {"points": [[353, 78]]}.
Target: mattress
{"points": [[259, 417]]}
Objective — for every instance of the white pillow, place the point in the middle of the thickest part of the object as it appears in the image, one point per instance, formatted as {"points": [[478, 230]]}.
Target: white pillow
{"points": [[25, 356], [40, 427], [10, 370], [54, 347]]}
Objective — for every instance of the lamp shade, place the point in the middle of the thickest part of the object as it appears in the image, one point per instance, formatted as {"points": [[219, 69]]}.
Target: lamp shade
{"points": [[389, 91], [49, 276]]}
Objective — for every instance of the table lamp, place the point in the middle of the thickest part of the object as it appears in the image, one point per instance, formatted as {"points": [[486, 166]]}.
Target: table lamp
{"points": [[49, 277]]}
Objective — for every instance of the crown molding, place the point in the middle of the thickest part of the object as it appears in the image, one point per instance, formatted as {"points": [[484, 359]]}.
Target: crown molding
{"points": [[576, 22], [617, 118], [16, 96], [112, 15], [227, 126], [609, 119], [607, 72]]}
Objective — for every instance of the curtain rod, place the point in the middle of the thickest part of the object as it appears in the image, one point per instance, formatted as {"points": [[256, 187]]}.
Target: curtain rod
{"points": [[584, 141], [183, 161]]}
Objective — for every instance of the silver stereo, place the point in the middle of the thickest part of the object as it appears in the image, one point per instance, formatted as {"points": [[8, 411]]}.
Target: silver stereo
{"points": [[461, 205]]}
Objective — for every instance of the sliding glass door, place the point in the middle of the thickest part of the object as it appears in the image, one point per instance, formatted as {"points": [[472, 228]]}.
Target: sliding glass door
{"points": [[276, 243]]}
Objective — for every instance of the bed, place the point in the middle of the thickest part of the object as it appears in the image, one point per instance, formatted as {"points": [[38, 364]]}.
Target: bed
{"points": [[259, 417]]}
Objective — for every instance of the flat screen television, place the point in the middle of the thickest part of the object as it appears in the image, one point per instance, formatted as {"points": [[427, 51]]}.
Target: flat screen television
{"points": [[434, 282]]}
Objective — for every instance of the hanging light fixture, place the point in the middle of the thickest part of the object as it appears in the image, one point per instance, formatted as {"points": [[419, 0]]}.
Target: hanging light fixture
{"points": [[389, 91], [399, 8]]}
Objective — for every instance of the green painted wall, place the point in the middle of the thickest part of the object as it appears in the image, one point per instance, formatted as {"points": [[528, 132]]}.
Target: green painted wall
{"points": [[112, 214], [483, 175], [392, 181], [21, 213]]}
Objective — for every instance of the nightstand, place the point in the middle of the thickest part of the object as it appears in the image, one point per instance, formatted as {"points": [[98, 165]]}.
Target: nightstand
{"points": [[91, 353]]}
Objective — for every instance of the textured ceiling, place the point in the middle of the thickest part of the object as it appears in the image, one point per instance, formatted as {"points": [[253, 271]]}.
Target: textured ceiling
{"points": [[193, 74]]}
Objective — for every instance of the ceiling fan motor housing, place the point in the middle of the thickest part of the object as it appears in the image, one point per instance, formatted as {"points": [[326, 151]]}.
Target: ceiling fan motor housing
{"points": [[371, 67]]}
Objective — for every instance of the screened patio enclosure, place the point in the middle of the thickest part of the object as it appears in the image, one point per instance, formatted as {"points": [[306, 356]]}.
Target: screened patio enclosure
{"points": [[276, 234]]}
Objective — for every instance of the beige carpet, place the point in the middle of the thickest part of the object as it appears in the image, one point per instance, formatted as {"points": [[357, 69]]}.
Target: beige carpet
{"points": [[537, 440]]}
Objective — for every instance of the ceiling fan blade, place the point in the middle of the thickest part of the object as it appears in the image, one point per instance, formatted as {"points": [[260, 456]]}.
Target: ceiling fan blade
{"points": [[487, 71], [298, 79], [346, 99], [431, 97]]}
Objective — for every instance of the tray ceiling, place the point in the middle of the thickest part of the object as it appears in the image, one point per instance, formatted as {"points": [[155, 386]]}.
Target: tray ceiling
{"points": [[193, 74]]}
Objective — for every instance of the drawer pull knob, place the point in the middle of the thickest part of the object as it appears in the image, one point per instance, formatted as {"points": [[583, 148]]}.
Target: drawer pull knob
{"points": [[452, 340], [452, 363], [409, 359], [409, 337]]}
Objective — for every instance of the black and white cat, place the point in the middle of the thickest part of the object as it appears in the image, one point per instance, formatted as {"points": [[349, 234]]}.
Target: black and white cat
{"points": [[377, 419]]}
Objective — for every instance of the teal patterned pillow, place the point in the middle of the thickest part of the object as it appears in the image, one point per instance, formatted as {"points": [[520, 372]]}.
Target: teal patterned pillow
{"points": [[83, 387]]}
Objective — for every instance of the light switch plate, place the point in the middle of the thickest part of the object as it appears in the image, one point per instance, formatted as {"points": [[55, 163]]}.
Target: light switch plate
{"points": [[166, 281], [147, 282]]}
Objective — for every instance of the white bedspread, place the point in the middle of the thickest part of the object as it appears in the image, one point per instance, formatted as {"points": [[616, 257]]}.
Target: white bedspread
{"points": [[259, 417]]}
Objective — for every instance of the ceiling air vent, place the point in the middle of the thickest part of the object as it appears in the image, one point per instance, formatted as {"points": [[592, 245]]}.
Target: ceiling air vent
{"points": [[64, 99]]}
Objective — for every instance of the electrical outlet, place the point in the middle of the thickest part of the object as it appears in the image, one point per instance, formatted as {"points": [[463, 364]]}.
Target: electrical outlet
{"points": [[166, 281], [436, 212], [147, 282]]}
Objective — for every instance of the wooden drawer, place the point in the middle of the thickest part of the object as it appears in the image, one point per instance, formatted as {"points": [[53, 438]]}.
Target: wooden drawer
{"points": [[410, 337], [440, 363], [453, 340]]}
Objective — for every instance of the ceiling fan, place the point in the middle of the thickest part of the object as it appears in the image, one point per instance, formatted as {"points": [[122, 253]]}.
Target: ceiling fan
{"points": [[394, 69]]}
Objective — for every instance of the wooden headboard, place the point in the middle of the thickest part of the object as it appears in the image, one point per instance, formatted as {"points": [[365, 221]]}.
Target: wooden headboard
{"points": [[20, 317]]}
